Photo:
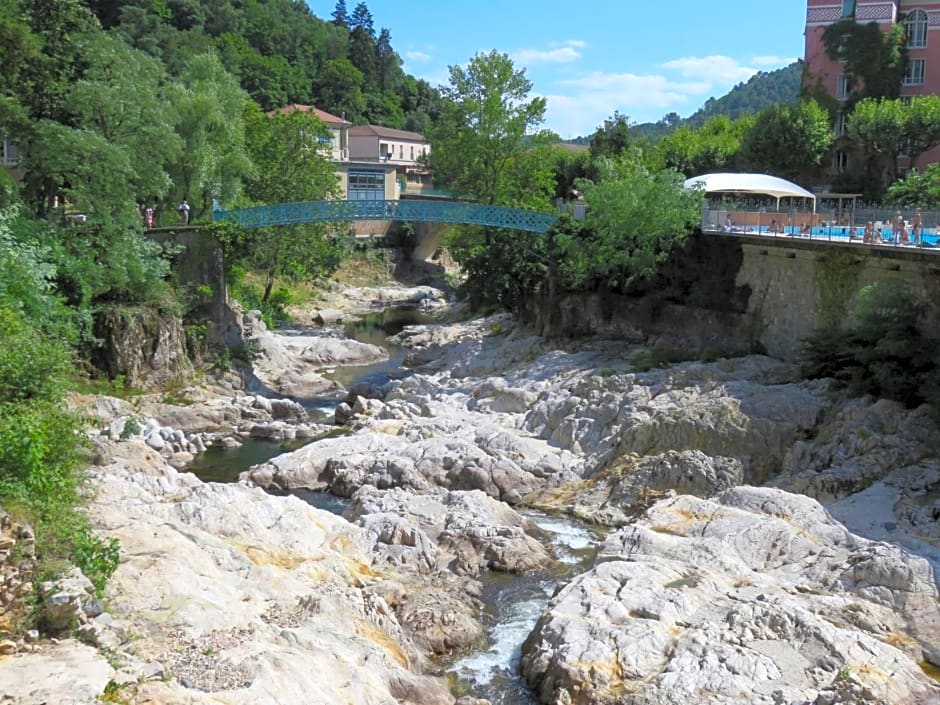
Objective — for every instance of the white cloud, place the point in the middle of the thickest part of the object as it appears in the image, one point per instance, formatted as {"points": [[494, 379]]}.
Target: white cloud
{"points": [[717, 69], [561, 55], [772, 61], [596, 96], [419, 57]]}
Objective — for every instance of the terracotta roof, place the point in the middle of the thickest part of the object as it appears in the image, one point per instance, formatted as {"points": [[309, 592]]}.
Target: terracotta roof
{"points": [[388, 132], [322, 114]]}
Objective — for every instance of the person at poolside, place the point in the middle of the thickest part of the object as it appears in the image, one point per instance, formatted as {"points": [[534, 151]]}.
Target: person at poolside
{"points": [[729, 224], [774, 228], [868, 237], [917, 225], [897, 225]]}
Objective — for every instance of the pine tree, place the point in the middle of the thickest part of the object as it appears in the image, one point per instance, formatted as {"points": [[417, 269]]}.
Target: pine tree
{"points": [[340, 16]]}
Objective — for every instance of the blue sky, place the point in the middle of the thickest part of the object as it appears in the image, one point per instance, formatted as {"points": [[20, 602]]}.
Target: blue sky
{"points": [[641, 58]]}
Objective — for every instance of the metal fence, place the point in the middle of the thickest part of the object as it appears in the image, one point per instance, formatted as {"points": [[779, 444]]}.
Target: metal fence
{"points": [[847, 226]]}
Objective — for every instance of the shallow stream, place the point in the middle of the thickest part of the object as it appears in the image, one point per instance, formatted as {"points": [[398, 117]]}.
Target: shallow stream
{"points": [[513, 603]]}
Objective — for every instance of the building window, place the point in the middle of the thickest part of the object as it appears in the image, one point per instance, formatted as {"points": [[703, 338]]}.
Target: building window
{"points": [[843, 86], [914, 72], [841, 161], [366, 185], [401, 151], [848, 8], [916, 27], [9, 155], [840, 125], [412, 152]]}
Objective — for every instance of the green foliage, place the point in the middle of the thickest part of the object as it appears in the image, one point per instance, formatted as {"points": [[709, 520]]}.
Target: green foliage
{"points": [[836, 278], [131, 428], [916, 188], [208, 107], [886, 349], [635, 219], [252, 298], [283, 54], [712, 147], [760, 91], [41, 451], [291, 156], [503, 270], [788, 140], [660, 357], [873, 59], [31, 367], [879, 125], [483, 143], [612, 138], [922, 125]]}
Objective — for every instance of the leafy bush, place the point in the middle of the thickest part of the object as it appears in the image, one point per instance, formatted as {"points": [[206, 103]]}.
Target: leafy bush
{"points": [[41, 452], [887, 349]]}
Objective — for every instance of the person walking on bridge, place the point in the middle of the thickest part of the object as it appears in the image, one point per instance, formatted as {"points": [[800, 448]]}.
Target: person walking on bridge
{"points": [[184, 212]]}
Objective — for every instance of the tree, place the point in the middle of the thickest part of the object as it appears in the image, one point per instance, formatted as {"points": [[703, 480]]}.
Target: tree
{"points": [[636, 217], [362, 45], [388, 63], [484, 131], [291, 155], [917, 189], [611, 138], [340, 16], [873, 59], [922, 126], [120, 98], [207, 106], [712, 147], [788, 140], [879, 127]]}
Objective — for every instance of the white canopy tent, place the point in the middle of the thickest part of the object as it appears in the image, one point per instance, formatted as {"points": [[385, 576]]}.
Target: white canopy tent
{"points": [[761, 184]]}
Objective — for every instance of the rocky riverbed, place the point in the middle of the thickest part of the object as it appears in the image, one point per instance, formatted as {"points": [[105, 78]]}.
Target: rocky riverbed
{"points": [[761, 538]]}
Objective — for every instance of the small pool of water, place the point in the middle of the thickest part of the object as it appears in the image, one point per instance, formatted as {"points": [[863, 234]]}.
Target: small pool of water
{"points": [[375, 329], [219, 464]]}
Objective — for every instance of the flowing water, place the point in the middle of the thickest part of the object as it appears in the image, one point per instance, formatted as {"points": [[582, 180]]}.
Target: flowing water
{"points": [[513, 602]]}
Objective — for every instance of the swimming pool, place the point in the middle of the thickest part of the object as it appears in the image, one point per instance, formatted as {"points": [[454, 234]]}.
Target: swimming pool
{"points": [[929, 238]]}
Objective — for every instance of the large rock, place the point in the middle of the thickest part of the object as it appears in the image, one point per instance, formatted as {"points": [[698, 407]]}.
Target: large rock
{"points": [[69, 673], [291, 362], [468, 532], [263, 597], [419, 455], [739, 408], [756, 597], [145, 346], [859, 444]]}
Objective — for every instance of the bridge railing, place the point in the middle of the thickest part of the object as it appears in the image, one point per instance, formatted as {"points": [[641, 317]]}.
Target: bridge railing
{"points": [[824, 226], [437, 211]]}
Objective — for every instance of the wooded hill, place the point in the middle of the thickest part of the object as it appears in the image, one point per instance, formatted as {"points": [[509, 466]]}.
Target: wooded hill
{"points": [[760, 91], [282, 53]]}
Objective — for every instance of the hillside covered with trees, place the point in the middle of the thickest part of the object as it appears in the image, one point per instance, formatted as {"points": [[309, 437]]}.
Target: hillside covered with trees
{"points": [[281, 53]]}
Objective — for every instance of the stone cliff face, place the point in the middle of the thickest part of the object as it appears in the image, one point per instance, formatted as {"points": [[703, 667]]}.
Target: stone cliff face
{"points": [[145, 346], [725, 295]]}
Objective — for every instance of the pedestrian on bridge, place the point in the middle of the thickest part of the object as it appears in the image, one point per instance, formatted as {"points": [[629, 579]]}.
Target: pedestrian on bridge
{"points": [[184, 212]]}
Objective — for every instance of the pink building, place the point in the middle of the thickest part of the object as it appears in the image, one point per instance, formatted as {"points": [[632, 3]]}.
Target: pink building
{"points": [[922, 74]]}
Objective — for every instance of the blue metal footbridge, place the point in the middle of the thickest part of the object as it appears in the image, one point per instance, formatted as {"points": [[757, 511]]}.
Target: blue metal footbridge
{"points": [[419, 210]]}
